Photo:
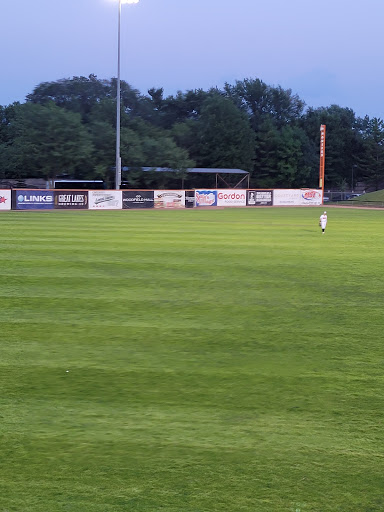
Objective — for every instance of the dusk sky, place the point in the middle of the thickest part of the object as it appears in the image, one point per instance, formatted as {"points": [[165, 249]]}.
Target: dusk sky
{"points": [[327, 51]]}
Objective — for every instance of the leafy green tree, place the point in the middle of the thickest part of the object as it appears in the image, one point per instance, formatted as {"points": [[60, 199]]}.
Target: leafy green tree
{"points": [[280, 160], [343, 140], [308, 160], [142, 145], [8, 134], [7, 114], [250, 124], [267, 138], [371, 162], [166, 112], [185, 106], [261, 101], [290, 171], [80, 94], [224, 138], [77, 94], [48, 140]]}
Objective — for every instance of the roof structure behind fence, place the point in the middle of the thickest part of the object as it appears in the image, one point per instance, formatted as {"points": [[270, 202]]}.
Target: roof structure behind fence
{"points": [[220, 173]]}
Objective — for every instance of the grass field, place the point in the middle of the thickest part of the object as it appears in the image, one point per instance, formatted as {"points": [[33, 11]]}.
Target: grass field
{"points": [[192, 361]]}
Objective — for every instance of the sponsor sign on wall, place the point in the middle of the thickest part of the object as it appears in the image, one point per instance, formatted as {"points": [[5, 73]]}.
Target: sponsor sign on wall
{"points": [[33, 199], [105, 199], [189, 198], [71, 199], [5, 199], [232, 197], [206, 197], [169, 198], [311, 197], [322, 156], [259, 197], [138, 199], [291, 197]]}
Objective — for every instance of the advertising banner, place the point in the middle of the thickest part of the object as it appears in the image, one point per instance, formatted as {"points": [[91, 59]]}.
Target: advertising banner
{"points": [[322, 156], [105, 199], [33, 199], [206, 197], [5, 199], [311, 197], [290, 197], [133, 199], [71, 199], [232, 197], [169, 198], [189, 198], [259, 197]]}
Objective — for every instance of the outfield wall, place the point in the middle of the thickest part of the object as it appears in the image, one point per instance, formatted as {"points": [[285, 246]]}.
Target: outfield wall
{"points": [[28, 199]]}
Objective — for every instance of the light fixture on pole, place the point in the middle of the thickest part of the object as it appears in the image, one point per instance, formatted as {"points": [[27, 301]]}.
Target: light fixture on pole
{"points": [[118, 98]]}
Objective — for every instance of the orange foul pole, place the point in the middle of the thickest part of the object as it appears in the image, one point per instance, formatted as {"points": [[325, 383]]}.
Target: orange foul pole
{"points": [[322, 159]]}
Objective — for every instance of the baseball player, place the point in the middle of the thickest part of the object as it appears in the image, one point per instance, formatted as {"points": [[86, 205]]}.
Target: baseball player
{"points": [[323, 222]]}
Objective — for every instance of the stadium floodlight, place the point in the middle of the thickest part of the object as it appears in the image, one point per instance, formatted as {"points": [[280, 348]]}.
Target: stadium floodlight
{"points": [[118, 99]]}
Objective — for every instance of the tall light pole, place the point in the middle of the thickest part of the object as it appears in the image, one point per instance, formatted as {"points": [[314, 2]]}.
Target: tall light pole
{"points": [[353, 167], [118, 98]]}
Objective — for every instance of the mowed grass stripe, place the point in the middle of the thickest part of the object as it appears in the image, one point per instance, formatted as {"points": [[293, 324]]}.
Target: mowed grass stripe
{"points": [[217, 360]]}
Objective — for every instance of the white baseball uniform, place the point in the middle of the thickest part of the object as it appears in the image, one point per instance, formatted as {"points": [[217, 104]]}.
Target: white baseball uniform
{"points": [[323, 220]]}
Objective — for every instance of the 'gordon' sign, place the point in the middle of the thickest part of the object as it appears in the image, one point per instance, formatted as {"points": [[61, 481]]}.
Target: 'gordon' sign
{"points": [[231, 197]]}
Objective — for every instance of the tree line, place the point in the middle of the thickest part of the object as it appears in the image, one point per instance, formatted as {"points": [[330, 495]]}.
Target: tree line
{"points": [[68, 128]]}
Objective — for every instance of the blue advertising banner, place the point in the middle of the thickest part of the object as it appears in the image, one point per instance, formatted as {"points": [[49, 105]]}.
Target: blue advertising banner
{"points": [[206, 197], [33, 199]]}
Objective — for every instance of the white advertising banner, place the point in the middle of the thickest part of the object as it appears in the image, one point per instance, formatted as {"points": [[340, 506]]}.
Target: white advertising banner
{"points": [[290, 197], [311, 197], [231, 197], [169, 199], [105, 200], [5, 199]]}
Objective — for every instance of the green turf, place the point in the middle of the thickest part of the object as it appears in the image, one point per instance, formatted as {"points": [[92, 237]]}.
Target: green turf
{"points": [[226, 360], [370, 198]]}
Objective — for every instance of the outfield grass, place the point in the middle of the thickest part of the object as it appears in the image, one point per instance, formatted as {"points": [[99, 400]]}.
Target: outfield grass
{"points": [[370, 199], [192, 361]]}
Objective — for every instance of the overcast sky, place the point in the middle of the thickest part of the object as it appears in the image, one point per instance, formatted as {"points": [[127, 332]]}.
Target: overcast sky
{"points": [[327, 51]]}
